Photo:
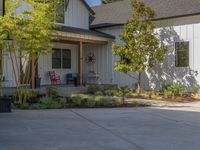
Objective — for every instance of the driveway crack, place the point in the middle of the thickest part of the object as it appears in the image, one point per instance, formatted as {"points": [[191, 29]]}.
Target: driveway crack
{"points": [[108, 130]]}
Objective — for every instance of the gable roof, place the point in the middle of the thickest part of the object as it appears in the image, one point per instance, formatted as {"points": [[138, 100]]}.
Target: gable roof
{"points": [[88, 7], [118, 13]]}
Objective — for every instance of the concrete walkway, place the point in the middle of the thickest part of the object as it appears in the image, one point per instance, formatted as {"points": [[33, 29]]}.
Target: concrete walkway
{"points": [[101, 129]]}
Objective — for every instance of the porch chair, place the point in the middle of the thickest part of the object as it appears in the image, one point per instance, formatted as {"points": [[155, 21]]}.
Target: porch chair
{"points": [[72, 77], [55, 79]]}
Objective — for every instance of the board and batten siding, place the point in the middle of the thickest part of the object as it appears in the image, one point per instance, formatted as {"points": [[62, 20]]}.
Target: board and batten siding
{"points": [[45, 64], [170, 31], [103, 62], [120, 79], [77, 15]]}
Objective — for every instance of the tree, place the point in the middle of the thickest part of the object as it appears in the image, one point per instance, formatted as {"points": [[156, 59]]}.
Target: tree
{"points": [[109, 1], [31, 31], [141, 48]]}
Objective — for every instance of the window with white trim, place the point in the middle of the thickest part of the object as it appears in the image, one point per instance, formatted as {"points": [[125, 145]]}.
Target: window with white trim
{"points": [[61, 58]]}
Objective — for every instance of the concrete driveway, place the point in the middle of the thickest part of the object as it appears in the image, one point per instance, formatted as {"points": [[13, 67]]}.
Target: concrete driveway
{"points": [[101, 129]]}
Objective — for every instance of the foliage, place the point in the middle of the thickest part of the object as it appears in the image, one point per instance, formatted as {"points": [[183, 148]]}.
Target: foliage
{"points": [[141, 48], [31, 31], [109, 1], [23, 96], [123, 91], [195, 88], [52, 91], [75, 100], [110, 91], [92, 89], [47, 103], [99, 93], [108, 101], [174, 90]]}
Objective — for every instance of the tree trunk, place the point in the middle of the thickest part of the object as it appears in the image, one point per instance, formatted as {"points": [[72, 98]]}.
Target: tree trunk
{"points": [[139, 89]]}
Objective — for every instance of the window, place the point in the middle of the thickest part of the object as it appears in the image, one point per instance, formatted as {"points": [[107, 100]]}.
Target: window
{"points": [[61, 58], [61, 13], [66, 59], [182, 54]]}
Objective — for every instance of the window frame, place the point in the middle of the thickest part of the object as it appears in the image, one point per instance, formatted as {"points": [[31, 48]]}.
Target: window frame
{"points": [[62, 58], [177, 56], [64, 10]]}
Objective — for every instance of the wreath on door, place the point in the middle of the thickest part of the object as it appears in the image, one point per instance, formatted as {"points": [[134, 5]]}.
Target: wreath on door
{"points": [[91, 59]]}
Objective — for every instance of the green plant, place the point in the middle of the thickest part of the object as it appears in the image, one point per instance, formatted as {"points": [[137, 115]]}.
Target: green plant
{"points": [[90, 102], [76, 100], [174, 90], [48, 103], [92, 89], [23, 96], [195, 89], [52, 91], [99, 93], [108, 101], [123, 92]]}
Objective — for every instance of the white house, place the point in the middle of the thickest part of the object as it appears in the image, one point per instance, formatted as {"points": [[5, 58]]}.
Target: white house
{"points": [[86, 36]]}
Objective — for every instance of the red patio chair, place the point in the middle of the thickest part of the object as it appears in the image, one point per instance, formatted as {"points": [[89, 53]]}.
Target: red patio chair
{"points": [[55, 79]]}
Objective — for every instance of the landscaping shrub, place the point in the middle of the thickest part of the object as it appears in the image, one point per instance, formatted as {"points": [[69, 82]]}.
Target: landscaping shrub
{"points": [[123, 92], [90, 102], [174, 90], [23, 96], [48, 103], [99, 93], [52, 91], [110, 91], [75, 100], [195, 88], [108, 101], [92, 89]]}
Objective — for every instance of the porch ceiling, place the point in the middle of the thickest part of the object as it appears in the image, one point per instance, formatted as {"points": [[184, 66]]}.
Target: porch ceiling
{"points": [[86, 36]]}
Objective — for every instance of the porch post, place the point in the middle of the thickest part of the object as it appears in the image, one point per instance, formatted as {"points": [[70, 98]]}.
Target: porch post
{"points": [[81, 63]]}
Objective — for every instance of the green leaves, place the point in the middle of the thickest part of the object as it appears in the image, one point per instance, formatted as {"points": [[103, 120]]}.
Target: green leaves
{"points": [[140, 45]]}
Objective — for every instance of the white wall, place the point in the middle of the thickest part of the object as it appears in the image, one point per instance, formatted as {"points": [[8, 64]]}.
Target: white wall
{"points": [[45, 64], [171, 31], [103, 64], [77, 15], [119, 78]]}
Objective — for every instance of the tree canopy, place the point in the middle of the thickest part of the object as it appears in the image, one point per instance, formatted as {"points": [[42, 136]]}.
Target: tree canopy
{"points": [[141, 48]]}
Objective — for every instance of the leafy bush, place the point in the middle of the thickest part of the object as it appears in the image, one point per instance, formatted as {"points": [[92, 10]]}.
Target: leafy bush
{"points": [[92, 89], [23, 96], [110, 90], [90, 102], [107, 101], [99, 93], [47, 103], [123, 92], [174, 90], [52, 91], [195, 88], [75, 100]]}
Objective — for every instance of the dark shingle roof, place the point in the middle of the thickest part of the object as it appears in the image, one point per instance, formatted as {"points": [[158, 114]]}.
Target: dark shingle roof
{"points": [[119, 12], [84, 31]]}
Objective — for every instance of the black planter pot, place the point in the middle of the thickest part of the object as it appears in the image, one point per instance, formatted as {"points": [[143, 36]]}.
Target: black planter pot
{"points": [[5, 105]]}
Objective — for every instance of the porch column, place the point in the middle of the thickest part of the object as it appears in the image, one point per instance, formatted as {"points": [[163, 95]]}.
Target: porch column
{"points": [[81, 63]]}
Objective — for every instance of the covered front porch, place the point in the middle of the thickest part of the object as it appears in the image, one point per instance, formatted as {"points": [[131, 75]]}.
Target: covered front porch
{"points": [[81, 54]]}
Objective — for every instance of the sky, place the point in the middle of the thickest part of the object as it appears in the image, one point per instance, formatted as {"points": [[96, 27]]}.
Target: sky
{"points": [[93, 2]]}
